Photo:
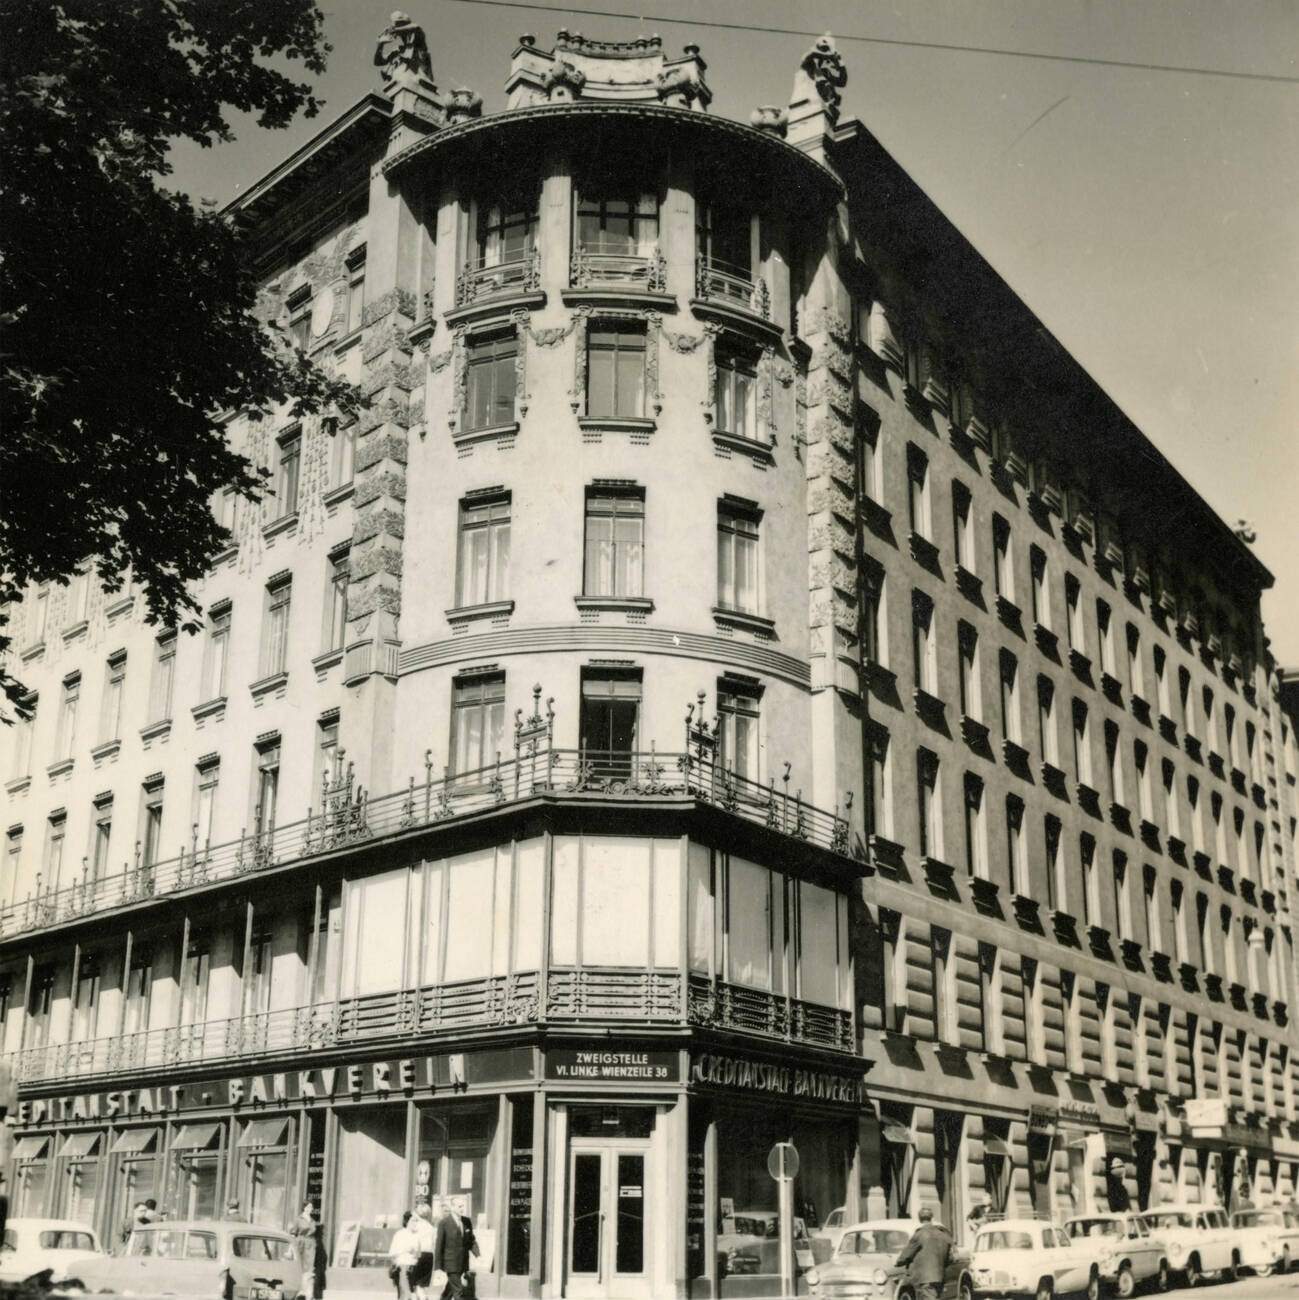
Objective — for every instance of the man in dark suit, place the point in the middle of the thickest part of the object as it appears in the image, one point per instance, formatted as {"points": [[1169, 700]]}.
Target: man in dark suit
{"points": [[926, 1255], [449, 1253]]}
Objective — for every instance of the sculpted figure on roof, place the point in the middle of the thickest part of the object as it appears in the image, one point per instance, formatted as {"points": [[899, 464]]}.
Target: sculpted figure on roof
{"points": [[824, 64], [402, 51]]}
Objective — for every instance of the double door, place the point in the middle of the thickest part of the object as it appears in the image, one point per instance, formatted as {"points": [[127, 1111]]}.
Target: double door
{"points": [[607, 1241]]}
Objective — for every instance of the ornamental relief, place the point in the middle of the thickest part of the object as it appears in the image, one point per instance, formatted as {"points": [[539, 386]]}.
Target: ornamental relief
{"points": [[459, 376], [581, 318]]}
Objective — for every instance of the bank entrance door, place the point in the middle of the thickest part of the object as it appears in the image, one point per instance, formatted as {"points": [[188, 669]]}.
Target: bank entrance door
{"points": [[607, 1242]]}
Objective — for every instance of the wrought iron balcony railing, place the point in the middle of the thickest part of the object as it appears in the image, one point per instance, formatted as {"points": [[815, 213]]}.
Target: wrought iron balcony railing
{"points": [[725, 282], [595, 268], [348, 815], [479, 279], [559, 996]]}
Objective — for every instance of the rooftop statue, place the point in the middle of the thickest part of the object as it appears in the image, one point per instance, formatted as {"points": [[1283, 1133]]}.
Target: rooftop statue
{"points": [[824, 64], [402, 52]]}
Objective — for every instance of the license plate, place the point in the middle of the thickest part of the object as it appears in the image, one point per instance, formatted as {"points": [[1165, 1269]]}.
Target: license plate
{"points": [[265, 1293]]}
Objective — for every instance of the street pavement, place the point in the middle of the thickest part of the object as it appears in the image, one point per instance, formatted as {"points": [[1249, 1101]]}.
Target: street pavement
{"points": [[1248, 1288]]}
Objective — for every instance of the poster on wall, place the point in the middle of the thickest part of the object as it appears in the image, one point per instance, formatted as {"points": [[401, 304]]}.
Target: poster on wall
{"points": [[345, 1246]]}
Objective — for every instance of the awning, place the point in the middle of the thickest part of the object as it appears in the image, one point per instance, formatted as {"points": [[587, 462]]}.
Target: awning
{"points": [[80, 1144], [897, 1134], [996, 1146], [132, 1141], [264, 1133], [194, 1137], [30, 1147]]}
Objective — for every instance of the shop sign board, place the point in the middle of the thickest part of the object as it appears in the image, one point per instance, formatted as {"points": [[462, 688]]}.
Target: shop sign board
{"points": [[1043, 1119], [747, 1074], [1205, 1112], [600, 1065], [370, 1079]]}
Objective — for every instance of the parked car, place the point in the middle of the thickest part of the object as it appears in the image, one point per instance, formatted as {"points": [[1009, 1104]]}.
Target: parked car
{"points": [[202, 1257], [1126, 1252], [1268, 1239], [31, 1246], [749, 1242], [863, 1265], [1032, 1257], [825, 1239], [1198, 1239]]}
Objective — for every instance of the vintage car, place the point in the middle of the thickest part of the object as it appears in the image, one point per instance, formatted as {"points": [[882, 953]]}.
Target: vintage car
{"points": [[863, 1265], [31, 1246], [748, 1241], [826, 1238], [1267, 1239], [1032, 1257], [1127, 1254], [1198, 1239], [213, 1258]]}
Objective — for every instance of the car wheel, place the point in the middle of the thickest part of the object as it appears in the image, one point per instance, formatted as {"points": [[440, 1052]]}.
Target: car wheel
{"points": [[1265, 1270], [1163, 1281], [1193, 1274], [1285, 1260], [1045, 1289], [1093, 1291], [966, 1290], [1125, 1284], [1235, 1272]]}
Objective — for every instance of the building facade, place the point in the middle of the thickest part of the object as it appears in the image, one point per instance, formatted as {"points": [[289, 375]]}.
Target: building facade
{"points": [[735, 682]]}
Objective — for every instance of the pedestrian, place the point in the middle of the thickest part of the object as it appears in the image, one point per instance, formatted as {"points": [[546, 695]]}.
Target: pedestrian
{"points": [[310, 1238], [926, 1255], [977, 1218], [471, 1252], [151, 1214], [426, 1234], [233, 1211], [403, 1251], [139, 1217], [449, 1253]]}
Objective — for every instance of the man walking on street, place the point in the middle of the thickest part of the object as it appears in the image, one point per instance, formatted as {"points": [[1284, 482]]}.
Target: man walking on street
{"points": [[422, 1226], [449, 1253], [926, 1255]]}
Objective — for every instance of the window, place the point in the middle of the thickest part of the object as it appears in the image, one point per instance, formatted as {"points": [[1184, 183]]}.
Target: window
{"points": [[1073, 604], [918, 490], [1229, 720], [1136, 668], [1046, 735], [275, 631], [1210, 720], [990, 1003], [287, 465], [1145, 790], [1114, 758], [338, 576], [870, 463], [738, 567], [963, 526], [615, 382], [507, 231], [101, 839], [85, 1000], [1122, 896], [1091, 885], [735, 395], [976, 840], [615, 542], [477, 721], [216, 651], [1002, 571], [874, 634], [1057, 893], [40, 1005], [342, 456], [1041, 587], [1197, 814], [1010, 724], [1219, 828], [625, 225], [78, 597], [151, 813], [1082, 743], [40, 616], [110, 719], [164, 676], [967, 642], [194, 983], [299, 311], [139, 991], [610, 718], [1161, 682], [1016, 848], [924, 661], [258, 972], [13, 861], [207, 778], [1204, 934], [725, 239], [940, 947], [267, 787], [491, 381], [24, 729], [355, 289], [65, 738], [1172, 804], [1187, 697], [224, 511], [56, 834], [326, 746], [1105, 635], [738, 708], [484, 543], [930, 804]]}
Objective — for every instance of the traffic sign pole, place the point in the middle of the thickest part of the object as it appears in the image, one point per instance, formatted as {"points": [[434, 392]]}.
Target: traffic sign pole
{"points": [[782, 1165]]}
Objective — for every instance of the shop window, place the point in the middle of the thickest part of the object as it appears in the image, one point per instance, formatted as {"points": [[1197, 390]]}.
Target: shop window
{"points": [[371, 1177], [610, 718], [897, 1157], [491, 381], [454, 1145], [615, 381], [30, 1175], [196, 1171], [477, 722], [998, 1165], [483, 572], [82, 1183], [266, 1156]]}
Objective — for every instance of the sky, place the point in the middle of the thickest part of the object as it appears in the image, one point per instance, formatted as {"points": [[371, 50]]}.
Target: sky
{"points": [[1149, 218]]}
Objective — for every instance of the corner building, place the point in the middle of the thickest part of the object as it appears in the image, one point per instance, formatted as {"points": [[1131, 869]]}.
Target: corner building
{"points": [[726, 687]]}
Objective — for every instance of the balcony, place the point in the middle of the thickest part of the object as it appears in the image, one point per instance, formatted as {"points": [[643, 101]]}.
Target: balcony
{"points": [[603, 272], [734, 286], [480, 280], [634, 997], [537, 772]]}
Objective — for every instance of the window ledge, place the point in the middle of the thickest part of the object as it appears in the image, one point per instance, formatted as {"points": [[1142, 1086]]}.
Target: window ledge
{"points": [[924, 552], [214, 708], [156, 730], [1081, 665], [74, 630], [106, 749], [336, 496], [268, 685], [281, 525], [1015, 755], [630, 604], [738, 618], [1047, 641], [1168, 728], [18, 784], [1140, 707], [1009, 613], [119, 607], [328, 659], [61, 768], [613, 294], [617, 423], [969, 585], [501, 304], [975, 733], [757, 448], [1112, 688], [425, 329], [929, 707], [489, 433], [33, 651]]}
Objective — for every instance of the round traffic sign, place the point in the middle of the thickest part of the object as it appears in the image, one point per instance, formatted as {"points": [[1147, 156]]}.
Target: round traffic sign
{"points": [[782, 1161]]}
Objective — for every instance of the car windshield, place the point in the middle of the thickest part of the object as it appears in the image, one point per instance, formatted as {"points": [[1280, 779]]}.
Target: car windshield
{"points": [[883, 1241], [262, 1248], [1258, 1219], [65, 1239], [1172, 1219], [1003, 1239], [1094, 1228]]}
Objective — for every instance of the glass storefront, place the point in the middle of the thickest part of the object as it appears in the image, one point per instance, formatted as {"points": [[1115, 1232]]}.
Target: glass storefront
{"points": [[454, 1143], [194, 1188], [266, 1166], [31, 1176], [81, 1178], [138, 1177]]}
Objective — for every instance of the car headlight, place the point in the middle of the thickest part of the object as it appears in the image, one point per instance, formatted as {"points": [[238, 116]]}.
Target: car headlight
{"points": [[879, 1277], [1176, 1249], [813, 1277]]}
